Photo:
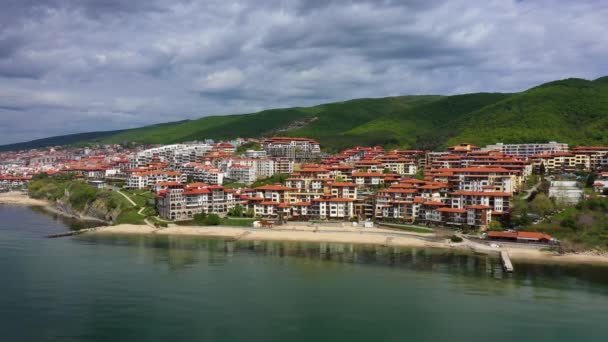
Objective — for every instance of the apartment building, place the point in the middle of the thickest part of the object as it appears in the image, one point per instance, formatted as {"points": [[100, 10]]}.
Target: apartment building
{"points": [[241, 173], [203, 173], [147, 179], [528, 150], [298, 149], [562, 162], [180, 202]]}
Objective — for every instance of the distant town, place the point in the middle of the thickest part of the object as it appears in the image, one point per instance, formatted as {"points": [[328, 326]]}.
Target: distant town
{"points": [[291, 179]]}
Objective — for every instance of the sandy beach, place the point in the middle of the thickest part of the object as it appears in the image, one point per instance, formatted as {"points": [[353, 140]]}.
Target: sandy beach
{"points": [[19, 198], [370, 236], [344, 234]]}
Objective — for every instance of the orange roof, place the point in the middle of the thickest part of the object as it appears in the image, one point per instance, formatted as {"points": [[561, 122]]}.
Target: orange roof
{"points": [[520, 235], [434, 203], [168, 183], [368, 174], [196, 191]]}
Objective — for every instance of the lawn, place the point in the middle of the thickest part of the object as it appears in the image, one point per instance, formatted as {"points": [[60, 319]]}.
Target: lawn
{"points": [[129, 216], [235, 221]]}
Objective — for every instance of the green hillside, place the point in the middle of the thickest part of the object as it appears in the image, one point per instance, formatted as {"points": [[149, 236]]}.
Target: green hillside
{"points": [[324, 122], [573, 111], [58, 140]]}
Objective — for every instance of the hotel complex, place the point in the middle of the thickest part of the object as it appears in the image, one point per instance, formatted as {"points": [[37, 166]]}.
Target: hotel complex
{"points": [[465, 185]]}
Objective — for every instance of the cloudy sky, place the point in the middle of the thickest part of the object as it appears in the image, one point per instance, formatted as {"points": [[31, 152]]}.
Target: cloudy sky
{"points": [[69, 66]]}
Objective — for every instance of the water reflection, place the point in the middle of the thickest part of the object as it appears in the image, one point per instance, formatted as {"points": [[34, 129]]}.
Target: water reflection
{"points": [[184, 252]]}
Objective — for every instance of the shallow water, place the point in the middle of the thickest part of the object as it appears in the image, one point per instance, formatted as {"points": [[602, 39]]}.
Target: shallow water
{"points": [[138, 288]]}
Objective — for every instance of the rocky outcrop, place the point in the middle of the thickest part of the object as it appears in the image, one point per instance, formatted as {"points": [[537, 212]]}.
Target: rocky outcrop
{"points": [[292, 126], [95, 211]]}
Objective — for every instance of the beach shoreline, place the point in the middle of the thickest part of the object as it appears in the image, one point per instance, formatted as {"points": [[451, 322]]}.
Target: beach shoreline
{"points": [[19, 198], [345, 235], [370, 236]]}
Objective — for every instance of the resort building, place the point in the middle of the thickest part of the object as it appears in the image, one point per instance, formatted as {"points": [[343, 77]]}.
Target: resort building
{"points": [[527, 150], [181, 202], [298, 149]]}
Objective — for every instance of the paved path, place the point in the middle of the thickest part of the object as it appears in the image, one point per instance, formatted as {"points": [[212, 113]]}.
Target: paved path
{"points": [[531, 190], [127, 197]]}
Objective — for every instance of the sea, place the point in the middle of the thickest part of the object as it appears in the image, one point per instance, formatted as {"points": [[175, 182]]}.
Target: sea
{"points": [[163, 288]]}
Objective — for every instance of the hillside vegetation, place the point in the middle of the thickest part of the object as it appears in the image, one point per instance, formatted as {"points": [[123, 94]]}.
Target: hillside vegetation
{"points": [[573, 111]]}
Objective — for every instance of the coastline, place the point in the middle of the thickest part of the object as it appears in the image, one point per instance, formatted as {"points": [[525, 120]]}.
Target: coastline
{"points": [[19, 198], [371, 236], [348, 235]]}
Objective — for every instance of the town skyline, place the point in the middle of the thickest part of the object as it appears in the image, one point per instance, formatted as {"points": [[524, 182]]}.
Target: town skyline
{"points": [[68, 67]]}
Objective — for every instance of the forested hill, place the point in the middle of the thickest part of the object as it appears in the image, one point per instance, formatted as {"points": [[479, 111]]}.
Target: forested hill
{"points": [[574, 111]]}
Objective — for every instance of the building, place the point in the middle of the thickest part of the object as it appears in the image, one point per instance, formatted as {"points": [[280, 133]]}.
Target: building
{"points": [[521, 237], [256, 154], [147, 179], [241, 173], [180, 202], [298, 149], [527, 150], [566, 192], [601, 182]]}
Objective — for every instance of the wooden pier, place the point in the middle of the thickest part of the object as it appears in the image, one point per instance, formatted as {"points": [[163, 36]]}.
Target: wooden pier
{"points": [[506, 261]]}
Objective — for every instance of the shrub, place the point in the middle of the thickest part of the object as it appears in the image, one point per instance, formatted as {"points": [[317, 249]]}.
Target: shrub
{"points": [[212, 220], [203, 219], [455, 238]]}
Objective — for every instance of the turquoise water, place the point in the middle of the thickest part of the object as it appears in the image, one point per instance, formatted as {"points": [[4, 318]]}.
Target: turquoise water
{"points": [[120, 288]]}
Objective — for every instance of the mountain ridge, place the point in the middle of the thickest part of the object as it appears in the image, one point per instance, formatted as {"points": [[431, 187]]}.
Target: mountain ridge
{"points": [[571, 110]]}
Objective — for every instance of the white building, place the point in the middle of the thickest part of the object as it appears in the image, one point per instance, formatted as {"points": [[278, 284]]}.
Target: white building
{"points": [[241, 173], [255, 154], [566, 192], [527, 150]]}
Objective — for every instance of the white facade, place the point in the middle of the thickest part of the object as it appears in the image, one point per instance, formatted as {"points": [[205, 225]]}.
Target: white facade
{"points": [[527, 150]]}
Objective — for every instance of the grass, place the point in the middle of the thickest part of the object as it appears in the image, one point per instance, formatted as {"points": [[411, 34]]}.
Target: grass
{"points": [[409, 228], [237, 221], [129, 216]]}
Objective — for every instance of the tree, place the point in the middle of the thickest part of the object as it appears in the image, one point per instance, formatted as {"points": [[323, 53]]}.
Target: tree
{"points": [[237, 211], [199, 219], [590, 179], [419, 174], [542, 204], [340, 179], [386, 170], [496, 226], [213, 220], [541, 169]]}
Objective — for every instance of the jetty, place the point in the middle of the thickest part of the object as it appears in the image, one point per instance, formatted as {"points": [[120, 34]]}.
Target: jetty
{"points": [[71, 232], [506, 261]]}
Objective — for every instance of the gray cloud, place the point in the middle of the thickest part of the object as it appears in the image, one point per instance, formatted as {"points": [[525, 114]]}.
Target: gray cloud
{"points": [[70, 66]]}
